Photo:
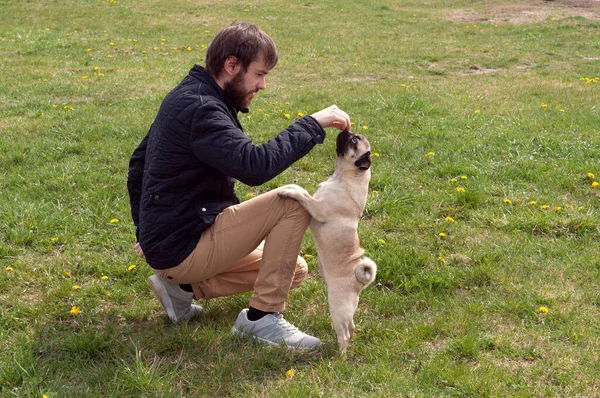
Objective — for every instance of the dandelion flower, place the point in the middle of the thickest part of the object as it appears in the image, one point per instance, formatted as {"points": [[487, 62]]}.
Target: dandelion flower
{"points": [[96, 68], [188, 48], [544, 106], [67, 274], [544, 207], [375, 154], [375, 192], [533, 203], [114, 220], [508, 201], [9, 269], [442, 259], [460, 189], [53, 240], [449, 219], [477, 111], [580, 208], [464, 177], [591, 176], [300, 114], [75, 310], [84, 76], [287, 116], [290, 373], [454, 179], [104, 278], [429, 154], [112, 43], [249, 195], [365, 127], [308, 256], [595, 184], [382, 241], [543, 310], [131, 267], [76, 287], [442, 234]]}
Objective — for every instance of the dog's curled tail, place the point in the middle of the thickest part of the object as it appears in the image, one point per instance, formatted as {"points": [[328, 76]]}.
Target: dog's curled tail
{"points": [[366, 271]]}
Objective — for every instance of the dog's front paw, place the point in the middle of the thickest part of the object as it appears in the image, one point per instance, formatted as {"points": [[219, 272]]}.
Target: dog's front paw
{"points": [[292, 191]]}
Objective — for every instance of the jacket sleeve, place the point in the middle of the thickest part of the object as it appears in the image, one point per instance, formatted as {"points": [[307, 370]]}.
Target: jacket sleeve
{"points": [[219, 142], [134, 182]]}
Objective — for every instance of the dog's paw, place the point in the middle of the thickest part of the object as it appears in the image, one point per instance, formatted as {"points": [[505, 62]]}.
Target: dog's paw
{"points": [[292, 191]]}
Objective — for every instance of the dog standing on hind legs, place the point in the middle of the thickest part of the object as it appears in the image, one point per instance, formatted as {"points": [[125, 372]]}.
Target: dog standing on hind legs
{"points": [[336, 208]]}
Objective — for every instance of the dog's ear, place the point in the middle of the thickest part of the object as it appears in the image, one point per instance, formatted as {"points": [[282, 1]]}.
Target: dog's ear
{"points": [[364, 162], [342, 138]]}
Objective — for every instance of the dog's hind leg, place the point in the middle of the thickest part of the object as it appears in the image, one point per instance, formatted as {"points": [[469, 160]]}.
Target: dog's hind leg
{"points": [[342, 306]]}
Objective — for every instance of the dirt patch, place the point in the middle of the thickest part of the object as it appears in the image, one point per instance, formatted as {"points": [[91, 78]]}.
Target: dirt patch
{"points": [[528, 12]]}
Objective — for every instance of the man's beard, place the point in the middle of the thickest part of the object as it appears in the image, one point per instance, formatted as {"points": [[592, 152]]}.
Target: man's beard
{"points": [[236, 93]]}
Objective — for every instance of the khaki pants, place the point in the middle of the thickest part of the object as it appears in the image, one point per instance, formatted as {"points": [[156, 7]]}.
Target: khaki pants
{"points": [[232, 258]]}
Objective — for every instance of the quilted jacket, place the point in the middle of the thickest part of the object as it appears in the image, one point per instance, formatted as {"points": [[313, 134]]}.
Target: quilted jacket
{"points": [[182, 174]]}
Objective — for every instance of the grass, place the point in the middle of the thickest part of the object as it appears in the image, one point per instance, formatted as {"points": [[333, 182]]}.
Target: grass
{"points": [[489, 97]]}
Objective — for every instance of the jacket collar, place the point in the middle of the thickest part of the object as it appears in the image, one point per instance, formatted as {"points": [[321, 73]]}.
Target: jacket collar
{"points": [[201, 74]]}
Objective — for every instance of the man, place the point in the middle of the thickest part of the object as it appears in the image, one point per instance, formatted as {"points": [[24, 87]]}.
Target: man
{"points": [[191, 228]]}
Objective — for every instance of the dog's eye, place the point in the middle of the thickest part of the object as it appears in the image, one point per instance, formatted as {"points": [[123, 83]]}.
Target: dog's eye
{"points": [[354, 140]]}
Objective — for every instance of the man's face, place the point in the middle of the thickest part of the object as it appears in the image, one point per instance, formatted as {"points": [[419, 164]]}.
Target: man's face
{"points": [[245, 84]]}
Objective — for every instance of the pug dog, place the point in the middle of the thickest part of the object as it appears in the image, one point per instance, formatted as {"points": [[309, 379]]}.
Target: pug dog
{"points": [[336, 208]]}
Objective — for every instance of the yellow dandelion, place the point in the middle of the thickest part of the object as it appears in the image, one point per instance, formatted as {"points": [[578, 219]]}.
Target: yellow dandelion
{"points": [[562, 111], [544, 106], [508, 201], [365, 127], [591, 176], [287, 116], [96, 68], [67, 274], [155, 48], [104, 278], [595, 184], [249, 195], [533, 203], [543, 310], [580, 208], [131, 267], [9, 269], [477, 111], [375, 154], [114, 220], [53, 240], [449, 219], [382, 241], [464, 178], [112, 43], [557, 208], [75, 310], [430, 154], [290, 373], [76, 287], [188, 48], [544, 207], [375, 192], [100, 74], [84, 76], [300, 114], [143, 51], [87, 50], [454, 179], [442, 234], [460, 189], [308, 256], [569, 206], [442, 259]]}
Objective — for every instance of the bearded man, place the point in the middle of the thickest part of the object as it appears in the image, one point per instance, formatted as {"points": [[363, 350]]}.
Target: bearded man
{"points": [[191, 228]]}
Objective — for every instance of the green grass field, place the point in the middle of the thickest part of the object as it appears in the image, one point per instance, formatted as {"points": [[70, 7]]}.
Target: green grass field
{"points": [[482, 217]]}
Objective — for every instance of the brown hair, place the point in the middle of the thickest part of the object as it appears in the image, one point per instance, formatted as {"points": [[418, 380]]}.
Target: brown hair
{"points": [[246, 42]]}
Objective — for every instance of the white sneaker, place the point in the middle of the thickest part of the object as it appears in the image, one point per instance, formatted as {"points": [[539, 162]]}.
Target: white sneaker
{"points": [[176, 301], [274, 330]]}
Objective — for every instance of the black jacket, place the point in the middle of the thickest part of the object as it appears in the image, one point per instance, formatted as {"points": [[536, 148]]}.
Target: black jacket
{"points": [[182, 174]]}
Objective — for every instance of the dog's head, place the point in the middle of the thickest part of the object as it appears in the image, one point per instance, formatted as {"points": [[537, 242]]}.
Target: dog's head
{"points": [[354, 149]]}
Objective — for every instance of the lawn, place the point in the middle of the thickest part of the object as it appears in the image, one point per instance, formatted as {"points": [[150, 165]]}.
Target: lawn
{"points": [[483, 212]]}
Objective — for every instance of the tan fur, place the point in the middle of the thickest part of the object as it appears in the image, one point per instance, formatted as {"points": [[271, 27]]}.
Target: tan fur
{"points": [[336, 208]]}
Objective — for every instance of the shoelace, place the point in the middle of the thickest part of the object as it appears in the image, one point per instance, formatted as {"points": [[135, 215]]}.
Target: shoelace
{"points": [[285, 324]]}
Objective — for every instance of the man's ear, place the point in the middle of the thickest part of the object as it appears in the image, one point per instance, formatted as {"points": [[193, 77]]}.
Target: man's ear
{"points": [[231, 65]]}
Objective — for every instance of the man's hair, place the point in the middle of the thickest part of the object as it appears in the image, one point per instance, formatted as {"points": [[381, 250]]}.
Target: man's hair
{"points": [[246, 42]]}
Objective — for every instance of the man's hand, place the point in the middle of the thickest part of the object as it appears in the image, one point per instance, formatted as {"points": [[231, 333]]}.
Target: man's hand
{"points": [[333, 117], [139, 250]]}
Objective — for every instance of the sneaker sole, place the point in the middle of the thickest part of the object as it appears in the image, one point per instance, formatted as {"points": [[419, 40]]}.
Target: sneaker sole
{"points": [[161, 294], [238, 333]]}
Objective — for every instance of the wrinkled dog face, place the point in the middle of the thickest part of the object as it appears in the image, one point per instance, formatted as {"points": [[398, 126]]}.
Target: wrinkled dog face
{"points": [[354, 149]]}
